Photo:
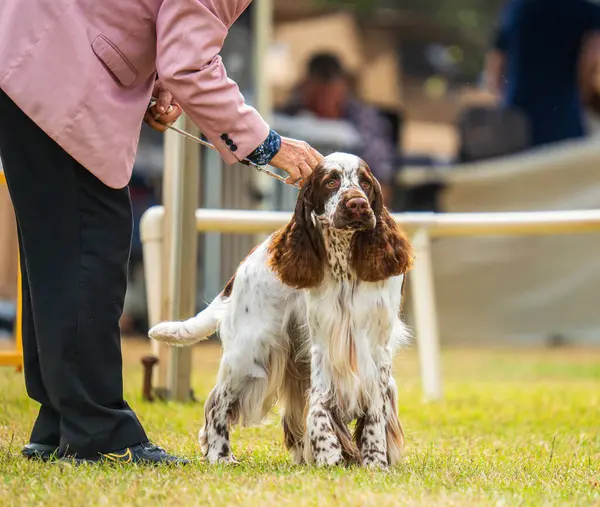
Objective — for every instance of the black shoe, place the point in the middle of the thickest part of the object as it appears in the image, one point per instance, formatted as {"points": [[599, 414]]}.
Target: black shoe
{"points": [[143, 454], [42, 452]]}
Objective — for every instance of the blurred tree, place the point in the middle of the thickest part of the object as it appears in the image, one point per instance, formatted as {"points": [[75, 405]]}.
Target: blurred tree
{"points": [[475, 17]]}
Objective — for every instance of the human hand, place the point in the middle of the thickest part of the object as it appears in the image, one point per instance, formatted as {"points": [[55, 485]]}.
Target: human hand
{"points": [[297, 159], [166, 110]]}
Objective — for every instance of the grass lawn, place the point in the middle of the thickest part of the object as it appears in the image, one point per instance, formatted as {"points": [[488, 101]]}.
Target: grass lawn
{"points": [[518, 427]]}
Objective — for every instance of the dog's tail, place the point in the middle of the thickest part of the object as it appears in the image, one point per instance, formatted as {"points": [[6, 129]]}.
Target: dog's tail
{"points": [[188, 332]]}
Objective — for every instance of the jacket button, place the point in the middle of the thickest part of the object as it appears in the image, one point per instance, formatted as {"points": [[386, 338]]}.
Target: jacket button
{"points": [[228, 142], [224, 137], [233, 147]]}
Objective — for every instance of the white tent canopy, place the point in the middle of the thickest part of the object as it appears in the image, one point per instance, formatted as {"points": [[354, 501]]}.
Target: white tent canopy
{"points": [[520, 289]]}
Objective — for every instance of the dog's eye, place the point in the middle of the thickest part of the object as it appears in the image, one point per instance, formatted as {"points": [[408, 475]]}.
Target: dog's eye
{"points": [[333, 183], [366, 185]]}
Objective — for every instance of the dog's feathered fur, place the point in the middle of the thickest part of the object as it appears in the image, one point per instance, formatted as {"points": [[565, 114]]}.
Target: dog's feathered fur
{"points": [[311, 319]]}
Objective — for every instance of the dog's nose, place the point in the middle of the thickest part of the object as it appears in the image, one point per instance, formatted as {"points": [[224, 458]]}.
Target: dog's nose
{"points": [[357, 204]]}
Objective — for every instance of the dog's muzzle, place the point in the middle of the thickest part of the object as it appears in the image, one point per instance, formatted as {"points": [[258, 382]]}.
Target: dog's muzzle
{"points": [[354, 212]]}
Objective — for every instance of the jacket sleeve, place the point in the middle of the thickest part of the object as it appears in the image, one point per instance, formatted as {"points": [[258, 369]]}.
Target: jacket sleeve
{"points": [[190, 35]]}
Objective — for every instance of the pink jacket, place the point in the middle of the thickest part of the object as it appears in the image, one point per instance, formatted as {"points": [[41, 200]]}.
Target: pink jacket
{"points": [[84, 71]]}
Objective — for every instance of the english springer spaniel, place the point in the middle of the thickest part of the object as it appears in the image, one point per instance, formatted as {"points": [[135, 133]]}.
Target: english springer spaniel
{"points": [[311, 319]]}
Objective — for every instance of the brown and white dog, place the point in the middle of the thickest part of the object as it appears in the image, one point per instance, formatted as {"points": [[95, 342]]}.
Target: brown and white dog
{"points": [[311, 319]]}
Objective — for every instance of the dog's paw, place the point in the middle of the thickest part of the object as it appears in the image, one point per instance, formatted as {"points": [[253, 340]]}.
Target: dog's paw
{"points": [[297, 453], [376, 465], [375, 461], [222, 460], [329, 459], [168, 332], [203, 441]]}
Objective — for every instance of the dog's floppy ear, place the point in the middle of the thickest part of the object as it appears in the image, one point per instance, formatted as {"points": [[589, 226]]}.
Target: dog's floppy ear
{"points": [[297, 253], [384, 251]]}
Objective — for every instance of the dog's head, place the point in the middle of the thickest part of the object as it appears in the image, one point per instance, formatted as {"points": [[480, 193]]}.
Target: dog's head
{"points": [[344, 193], [341, 194]]}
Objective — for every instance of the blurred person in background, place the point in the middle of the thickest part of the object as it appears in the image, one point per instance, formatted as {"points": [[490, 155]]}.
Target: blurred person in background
{"points": [[326, 92], [534, 64], [589, 67], [75, 86]]}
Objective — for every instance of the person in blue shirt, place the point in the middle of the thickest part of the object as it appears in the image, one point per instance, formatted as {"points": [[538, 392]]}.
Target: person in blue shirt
{"points": [[534, 64]]}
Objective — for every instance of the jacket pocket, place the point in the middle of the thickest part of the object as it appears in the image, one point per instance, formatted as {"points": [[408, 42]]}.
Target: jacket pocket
{"points": [[114, 60]]}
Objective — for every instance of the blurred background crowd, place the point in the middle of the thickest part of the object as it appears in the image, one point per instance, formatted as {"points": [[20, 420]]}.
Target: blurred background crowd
{"points": [[462, 105]]}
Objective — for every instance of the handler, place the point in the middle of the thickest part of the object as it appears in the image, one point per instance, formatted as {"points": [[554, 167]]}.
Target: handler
{"points": [[76, 77]]}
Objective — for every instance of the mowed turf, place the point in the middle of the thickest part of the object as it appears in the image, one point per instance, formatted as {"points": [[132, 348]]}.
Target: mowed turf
{"points": [[516, 427]]}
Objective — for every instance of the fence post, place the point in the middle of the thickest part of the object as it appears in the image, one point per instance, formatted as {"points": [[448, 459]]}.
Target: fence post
{"points": [[422, 289], [151, 231], [262, 28], [179, 259]]}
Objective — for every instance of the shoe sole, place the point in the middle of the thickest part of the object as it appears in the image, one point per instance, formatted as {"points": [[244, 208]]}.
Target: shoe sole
{"points": [[40, 456]]}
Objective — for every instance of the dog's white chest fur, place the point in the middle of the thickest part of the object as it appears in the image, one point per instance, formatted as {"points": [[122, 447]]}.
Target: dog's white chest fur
{"points": [[352, 330]]}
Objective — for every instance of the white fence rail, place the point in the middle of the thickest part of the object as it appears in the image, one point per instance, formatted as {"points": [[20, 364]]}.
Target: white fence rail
{"points": [[421, 226]]}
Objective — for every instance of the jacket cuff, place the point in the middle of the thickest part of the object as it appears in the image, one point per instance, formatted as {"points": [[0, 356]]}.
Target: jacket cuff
{"points": [[267, 150]]}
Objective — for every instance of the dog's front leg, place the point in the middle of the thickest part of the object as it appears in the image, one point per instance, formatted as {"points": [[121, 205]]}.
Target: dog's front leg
{"points": [[371, 430], [323, 446], [214, 436], [373, 447]]}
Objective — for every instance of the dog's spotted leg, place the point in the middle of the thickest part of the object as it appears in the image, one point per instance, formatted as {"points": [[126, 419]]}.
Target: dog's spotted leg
{"points": [[220, 411], [371, 430], [393, 428], [372, 445], [323, 445]]}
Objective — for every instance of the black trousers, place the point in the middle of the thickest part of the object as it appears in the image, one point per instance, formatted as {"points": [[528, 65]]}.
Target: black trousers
{"points": [[75, 240]]}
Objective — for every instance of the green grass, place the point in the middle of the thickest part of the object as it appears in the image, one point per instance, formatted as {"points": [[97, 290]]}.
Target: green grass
{"points": [[516, 427]]}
